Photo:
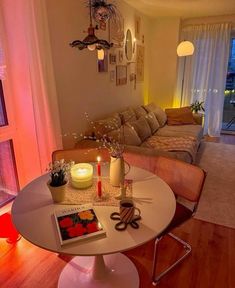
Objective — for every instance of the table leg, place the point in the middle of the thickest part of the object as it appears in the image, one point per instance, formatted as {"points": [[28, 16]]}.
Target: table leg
{"points": [[115, 270]]}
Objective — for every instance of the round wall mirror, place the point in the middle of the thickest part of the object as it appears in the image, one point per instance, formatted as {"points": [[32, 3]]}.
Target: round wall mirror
{"points": [[128, 45]]}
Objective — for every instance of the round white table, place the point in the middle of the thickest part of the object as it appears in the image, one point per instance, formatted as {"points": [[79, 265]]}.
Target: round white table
{"points": [[99, 262]]}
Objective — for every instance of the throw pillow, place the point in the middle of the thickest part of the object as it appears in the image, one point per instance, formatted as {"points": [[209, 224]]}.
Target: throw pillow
{"points": [[140, 111], [142, 128], [127, 115], [152, 121], [125, 135], [103, 126], [159, 113], [179, 116]]}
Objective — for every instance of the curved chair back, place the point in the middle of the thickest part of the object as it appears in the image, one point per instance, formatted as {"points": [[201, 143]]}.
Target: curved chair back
{"points": [[81, 155], [185, 179]]}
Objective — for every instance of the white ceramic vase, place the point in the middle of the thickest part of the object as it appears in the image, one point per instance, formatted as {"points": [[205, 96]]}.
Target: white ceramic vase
{"points": [[57, 193], [117, 171]]}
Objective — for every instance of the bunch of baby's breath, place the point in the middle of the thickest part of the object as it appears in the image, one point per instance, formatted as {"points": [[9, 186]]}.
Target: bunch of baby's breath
{"points": [[114, 146], [58, 172]]}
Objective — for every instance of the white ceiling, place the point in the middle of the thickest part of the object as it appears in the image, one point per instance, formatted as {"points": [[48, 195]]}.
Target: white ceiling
{"points": [[183, 8]]}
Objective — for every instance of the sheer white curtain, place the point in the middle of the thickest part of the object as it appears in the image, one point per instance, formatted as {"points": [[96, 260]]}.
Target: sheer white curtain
{"points": [[32, 85], [45, 104], [205, 71]]}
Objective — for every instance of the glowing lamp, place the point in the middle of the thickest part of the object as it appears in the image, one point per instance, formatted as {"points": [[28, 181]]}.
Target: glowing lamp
{"points": [[81, 175], [185, 48], [100, 54], [91, 47]]}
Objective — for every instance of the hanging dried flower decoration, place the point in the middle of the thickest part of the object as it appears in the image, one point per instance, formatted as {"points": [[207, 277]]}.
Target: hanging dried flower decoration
{"points": [[102, 11]]}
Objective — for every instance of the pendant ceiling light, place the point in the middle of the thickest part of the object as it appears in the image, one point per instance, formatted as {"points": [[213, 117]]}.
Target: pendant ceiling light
{"points": [[91, 41]]}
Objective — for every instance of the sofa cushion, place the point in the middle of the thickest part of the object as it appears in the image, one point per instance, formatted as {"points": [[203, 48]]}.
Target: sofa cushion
{"points": [[125, 135], [103, 126], [181, 130], [142, 128], [140, 111], [127, 115], [187, 144], [152, 121], [179, 116], [159, 113]]}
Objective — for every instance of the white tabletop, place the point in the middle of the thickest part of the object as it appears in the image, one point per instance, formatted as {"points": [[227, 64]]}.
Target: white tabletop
{"points": [[33, 209]]}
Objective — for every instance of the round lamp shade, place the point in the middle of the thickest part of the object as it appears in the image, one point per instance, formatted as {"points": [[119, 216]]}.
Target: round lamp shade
{"points": [[185, 48]]}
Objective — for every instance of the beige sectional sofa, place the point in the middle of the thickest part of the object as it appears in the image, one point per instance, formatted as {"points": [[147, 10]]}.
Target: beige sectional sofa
{"points": [[149, 130]]}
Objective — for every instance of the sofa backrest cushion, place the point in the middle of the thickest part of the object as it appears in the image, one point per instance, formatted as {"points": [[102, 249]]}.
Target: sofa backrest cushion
{"points": [[180, 116], [127, 115], [142, 128], [159, 113], [104, 126], [125, 135], [152, 121], [140, 111]]}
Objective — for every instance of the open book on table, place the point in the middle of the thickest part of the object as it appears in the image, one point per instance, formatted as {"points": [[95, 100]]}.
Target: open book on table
{"points": [[77, 223]]}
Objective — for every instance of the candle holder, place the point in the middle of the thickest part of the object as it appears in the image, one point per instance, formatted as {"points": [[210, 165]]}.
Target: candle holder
{"points": [[82, 175], [104, 196], [101, 194]]}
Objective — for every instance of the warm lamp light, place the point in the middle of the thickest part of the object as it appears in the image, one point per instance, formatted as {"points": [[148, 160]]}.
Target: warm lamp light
{"points": [[91, 47], [81, 175], [100, 54], [185, 48]]}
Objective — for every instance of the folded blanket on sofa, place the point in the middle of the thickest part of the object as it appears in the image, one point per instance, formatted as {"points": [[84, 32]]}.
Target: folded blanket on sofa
{"points": [[187, 144]]}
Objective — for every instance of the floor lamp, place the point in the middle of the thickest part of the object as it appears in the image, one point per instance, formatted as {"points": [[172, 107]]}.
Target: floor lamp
{"points": [[184, 49]]}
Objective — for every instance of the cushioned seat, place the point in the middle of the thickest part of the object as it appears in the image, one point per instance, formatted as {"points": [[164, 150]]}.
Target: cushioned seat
{"points": [[181, 130]]}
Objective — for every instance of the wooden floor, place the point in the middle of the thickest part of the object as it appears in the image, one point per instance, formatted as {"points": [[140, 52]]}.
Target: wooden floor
{"points": [[211, 264]]}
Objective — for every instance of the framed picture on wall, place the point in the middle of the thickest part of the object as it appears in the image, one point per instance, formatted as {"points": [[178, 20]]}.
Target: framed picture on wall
{"points": [[137, 27], [112, 58], [116, 30], [120, 56], [140, 63], [121, 74], [112, 75]]}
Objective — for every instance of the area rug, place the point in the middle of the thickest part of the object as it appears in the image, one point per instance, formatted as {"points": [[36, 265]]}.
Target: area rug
{"points": [[217, 203]]}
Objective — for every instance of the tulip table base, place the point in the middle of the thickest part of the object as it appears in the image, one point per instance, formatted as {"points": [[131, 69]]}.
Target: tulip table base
{"points": [[115, 270]]}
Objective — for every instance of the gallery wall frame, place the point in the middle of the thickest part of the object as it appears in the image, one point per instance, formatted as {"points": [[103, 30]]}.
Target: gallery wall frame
{"points": [[140, 63], [137, 27], [121, 75]]}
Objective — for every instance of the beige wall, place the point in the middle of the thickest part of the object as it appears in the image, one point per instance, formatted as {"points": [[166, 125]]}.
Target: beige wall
{"points": [[163, 60], [80, 87]]}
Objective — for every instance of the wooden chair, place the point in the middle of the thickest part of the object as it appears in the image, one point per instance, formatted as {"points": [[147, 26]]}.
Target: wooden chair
{"points": [[186, 181], [81, 155]]}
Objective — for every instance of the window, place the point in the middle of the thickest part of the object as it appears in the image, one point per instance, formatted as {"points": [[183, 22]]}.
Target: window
{"points": [[3, 115], [229, 99], [8, 176]]}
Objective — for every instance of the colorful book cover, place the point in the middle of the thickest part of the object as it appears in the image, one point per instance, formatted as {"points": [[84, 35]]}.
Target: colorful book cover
{"points": [[77, 223]]}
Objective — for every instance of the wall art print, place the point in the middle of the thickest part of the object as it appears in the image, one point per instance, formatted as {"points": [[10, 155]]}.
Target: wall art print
{"points": [[140, 63], [121, 74]]}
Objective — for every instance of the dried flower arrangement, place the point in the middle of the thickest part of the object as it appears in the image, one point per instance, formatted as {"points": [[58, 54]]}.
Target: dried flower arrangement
{"points": [[112, 144]]}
